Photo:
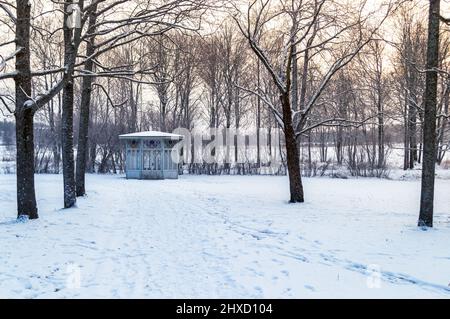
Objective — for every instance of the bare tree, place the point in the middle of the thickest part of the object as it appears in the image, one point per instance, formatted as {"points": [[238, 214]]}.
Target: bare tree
{"points": [[83, 131], [72, 40], [316, 27], [429, 126], [24, 113]]}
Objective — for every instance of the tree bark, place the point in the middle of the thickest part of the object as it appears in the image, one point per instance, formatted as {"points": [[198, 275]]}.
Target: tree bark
{"points": [[83, 132], [24, 114], [258, 117], [67, 116], [92, 155], [295, 95], [406, 135], [55, 134], [443, 124], [380, 106], [381, 163], [67, 146], [429, 125], [292, 154], [412, 131]]}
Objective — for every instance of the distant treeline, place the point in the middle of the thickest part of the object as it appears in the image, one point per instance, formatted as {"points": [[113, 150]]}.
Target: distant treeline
{"points": [[7, 133]]}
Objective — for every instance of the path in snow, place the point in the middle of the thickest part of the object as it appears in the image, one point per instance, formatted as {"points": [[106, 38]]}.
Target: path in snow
{"points": [[229, 237]]}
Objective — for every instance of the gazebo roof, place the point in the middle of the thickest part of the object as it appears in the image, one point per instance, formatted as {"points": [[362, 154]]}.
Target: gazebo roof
{"points": [[150, 134]]}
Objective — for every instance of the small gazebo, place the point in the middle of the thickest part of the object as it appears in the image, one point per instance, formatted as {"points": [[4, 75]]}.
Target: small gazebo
{"points": [[149, 155]]}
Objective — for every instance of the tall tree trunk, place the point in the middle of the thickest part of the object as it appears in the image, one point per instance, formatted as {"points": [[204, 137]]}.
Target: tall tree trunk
{"points": [[339, 154], [133, 106], [26, 197], [406, 134], [236, 144], [380, 135], [228, 136], [295, 95], [429, 125], [412, 82], [163, 108], [67, 146], [443, 123], [92, 155], [380, 110], [412, 130], [309, 155], [301, 103], [227, 109], [292, 154], [258, 118], [67, 116], [83, 132], [53, 131]]}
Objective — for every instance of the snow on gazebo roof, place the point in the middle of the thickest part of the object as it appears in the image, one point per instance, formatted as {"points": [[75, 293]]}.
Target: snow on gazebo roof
{"points": [[150, 134]]}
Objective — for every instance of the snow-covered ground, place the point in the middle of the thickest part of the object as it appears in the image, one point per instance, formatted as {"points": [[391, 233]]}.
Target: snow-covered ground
{"points": [[225, 236]]}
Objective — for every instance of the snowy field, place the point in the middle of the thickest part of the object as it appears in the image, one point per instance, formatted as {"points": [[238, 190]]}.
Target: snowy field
{"points": [[225, 237]]}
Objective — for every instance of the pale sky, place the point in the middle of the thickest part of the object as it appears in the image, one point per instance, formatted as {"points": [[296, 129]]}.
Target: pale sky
{"points": [[421, 6]]}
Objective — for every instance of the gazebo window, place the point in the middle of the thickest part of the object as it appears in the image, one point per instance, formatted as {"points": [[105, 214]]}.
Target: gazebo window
{"points": [[133, 155], [169, 152], [133, 160], [152, 160]]}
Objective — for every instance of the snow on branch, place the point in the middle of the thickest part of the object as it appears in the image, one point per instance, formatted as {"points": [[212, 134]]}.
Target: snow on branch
{"points": [[43, 98], [9, 75]]}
